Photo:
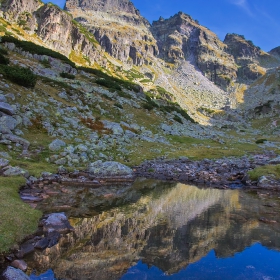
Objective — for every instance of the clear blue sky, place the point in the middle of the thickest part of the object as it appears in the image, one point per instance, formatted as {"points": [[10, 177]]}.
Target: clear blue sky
{"points": [[257, 20]]}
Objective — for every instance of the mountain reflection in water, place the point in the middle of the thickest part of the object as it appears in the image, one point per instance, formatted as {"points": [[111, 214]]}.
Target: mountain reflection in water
{"points": [[169, 227]]}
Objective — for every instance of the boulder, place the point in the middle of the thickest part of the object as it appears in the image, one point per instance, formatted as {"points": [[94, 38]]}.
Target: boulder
{"points": [[6, 108], [57, 222], [109, 168], [7, 124], [15, 139], [3, 162], [13, 273], [20, 264], [275, 160], [15, 171], [56, 145], [266, 182]]}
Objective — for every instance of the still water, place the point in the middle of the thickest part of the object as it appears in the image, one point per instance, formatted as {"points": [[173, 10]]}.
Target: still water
{"points": [[160, 230]]}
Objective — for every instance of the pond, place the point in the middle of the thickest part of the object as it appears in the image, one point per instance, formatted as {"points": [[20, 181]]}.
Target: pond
{"points": [[163, 230]]}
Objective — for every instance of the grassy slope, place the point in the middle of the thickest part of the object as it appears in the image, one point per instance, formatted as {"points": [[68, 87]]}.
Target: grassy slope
{"points": [[17, 218]]}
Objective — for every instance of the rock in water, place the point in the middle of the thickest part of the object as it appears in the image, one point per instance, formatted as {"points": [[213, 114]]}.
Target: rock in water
{"points": [[109, 168]]}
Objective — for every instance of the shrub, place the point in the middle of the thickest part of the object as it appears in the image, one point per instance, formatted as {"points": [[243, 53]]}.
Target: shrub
{"points": [[36, 49], [124, 94], [178, 119], [19, 75], [96, 125], [46, 63], [118, 105], [3, 51], [108, 83], [261, 141], [67, 75], [4, 60], [111, 82]]}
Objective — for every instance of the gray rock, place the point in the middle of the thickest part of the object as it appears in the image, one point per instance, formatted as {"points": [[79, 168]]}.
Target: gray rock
{"points": [[275, 160], [61, 161], [63, 95], [56, 145], [266, 182], [15, 171], [15, 139], [7, 124], [5, 155], [82, 148], [115, 127], [2, 98], [14, 274], [57, 222], [6, 108], [3, 162], [109, 168]]}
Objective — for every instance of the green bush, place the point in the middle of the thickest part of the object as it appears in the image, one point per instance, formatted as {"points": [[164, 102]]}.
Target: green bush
{"points": [[19, 75], [67, 75], [111, 82], [3, 51], [261, 141], [36, 49], [46, 63], [173, 107], [108, 84], [4, 60], [118, 105], [124, 94], [178, 119]]}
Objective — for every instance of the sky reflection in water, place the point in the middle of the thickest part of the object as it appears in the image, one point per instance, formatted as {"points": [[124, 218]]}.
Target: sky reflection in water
{"points": [[256, 262]]}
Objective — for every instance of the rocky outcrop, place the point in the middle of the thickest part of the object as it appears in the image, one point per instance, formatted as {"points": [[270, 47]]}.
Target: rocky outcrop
{"points": [[54, 27], [246, 55], [118, 27], [275, 52], [182, 38]]}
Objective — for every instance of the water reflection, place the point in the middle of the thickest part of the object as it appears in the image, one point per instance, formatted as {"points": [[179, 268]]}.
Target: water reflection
{"points": [[168, 227]]}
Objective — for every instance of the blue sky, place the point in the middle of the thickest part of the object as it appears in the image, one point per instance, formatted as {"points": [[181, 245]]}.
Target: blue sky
{"points": [[257, 20]]}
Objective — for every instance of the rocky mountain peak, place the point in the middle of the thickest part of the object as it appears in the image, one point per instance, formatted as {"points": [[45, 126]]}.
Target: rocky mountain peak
{"points": [[110, 6], [182, 38], [238, 46]]}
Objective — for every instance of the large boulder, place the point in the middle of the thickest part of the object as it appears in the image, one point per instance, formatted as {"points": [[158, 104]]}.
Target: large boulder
{"points": [[7, 124], [56, 145], [109, 169], [15, 171], [56, 222], [6, 108]]}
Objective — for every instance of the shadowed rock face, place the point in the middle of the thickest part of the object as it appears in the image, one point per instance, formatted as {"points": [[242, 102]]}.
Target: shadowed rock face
{"points": [[181, 37]]}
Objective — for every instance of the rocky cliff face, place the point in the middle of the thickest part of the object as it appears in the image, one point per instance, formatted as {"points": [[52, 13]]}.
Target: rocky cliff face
{"points": [[54, 27], [246, 55], [182, 38], [118, 27]]}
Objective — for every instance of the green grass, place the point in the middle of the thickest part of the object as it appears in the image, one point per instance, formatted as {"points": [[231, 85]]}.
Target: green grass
{"points": [[18, 219], [266, 170]]}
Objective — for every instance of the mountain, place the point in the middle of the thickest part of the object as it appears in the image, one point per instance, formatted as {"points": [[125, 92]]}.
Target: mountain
{"points": [[102, 69]]}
